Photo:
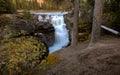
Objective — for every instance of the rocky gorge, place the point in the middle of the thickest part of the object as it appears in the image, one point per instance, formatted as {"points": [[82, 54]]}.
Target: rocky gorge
{"points": [[24, 41], [20, 26]]}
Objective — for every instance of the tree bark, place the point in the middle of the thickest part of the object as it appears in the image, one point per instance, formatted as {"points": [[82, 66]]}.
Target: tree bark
{"points": [[97, 18], [74, 40]]}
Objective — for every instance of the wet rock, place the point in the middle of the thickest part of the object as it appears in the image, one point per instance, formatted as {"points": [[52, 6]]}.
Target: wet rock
{"points": [[45, 31]]}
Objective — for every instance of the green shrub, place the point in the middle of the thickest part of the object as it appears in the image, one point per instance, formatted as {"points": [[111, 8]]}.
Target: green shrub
{"points": [[6, 26], [6, 6], [84, 32], [21, 55], [27, 15], [112, 13], [5, 21], [51, 61]]}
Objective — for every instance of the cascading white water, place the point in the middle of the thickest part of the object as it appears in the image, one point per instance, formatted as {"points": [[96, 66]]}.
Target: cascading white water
{"points": [[61, 32]]}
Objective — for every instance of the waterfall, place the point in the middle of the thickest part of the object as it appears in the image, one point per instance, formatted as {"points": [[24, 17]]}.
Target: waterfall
{"points": [[61, 32]]}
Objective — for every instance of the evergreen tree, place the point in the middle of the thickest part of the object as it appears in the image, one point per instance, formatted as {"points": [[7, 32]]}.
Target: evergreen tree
{"points": [[2, 6], [6, 6]]}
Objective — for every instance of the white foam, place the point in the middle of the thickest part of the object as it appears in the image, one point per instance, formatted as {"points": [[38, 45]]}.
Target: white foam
{"points": [[61, 32]]}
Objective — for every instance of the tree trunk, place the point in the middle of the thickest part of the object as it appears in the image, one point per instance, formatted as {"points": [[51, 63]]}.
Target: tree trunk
{"points": [[75, 24], [97, 17]]}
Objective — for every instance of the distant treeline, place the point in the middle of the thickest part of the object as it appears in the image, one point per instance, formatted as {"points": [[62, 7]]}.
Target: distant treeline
{"points": [[7, 6], [10, 6]]}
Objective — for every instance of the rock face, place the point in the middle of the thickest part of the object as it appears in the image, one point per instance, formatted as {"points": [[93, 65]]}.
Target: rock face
{"points": [[69, 20], [69, 23], [44, 31], [22, 24]]}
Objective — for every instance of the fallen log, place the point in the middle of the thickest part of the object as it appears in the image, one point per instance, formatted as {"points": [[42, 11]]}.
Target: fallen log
{"points": [[110, 30]]}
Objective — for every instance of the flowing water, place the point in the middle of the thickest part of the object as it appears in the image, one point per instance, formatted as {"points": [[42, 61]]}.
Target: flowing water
{"points": [[61, 32]]}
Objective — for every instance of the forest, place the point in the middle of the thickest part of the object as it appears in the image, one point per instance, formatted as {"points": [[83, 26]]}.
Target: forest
{"points": [[59, 37]]}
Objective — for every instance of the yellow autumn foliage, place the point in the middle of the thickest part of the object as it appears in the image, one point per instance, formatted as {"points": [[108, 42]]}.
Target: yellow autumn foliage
{"points": [[21, 55], [52, 60]]}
